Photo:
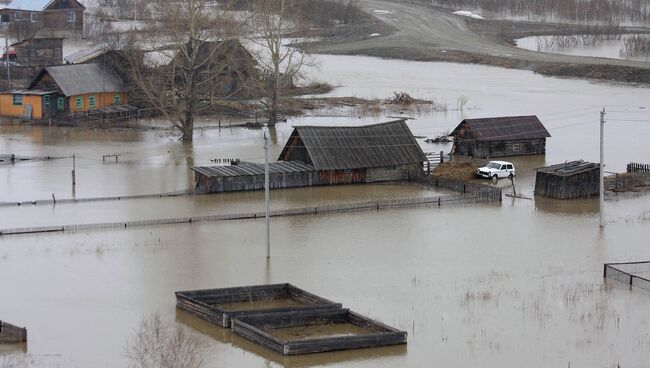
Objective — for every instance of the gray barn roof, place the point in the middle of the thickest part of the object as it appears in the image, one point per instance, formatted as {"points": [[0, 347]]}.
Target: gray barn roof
{"points": [[246, 169], [78, 79], [504, 128], [569, 168], [377, 145]]}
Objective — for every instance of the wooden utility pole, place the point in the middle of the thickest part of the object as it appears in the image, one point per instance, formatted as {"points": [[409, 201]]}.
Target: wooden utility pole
{"points": [[74, 179]]}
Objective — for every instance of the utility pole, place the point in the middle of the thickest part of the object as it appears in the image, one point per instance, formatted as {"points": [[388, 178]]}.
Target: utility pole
{"points": [[602, 169], [7, 62], [267, 195]]}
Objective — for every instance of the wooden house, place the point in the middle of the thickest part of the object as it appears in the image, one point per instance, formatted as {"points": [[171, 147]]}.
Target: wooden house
{"points": [[65, 89], [322, 155], [39, 51], [45, 14], [500, 136], [569, 180]]}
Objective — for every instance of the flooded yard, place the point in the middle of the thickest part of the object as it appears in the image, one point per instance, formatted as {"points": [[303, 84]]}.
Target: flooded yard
{"points": [[514, 285], [624, 47]]}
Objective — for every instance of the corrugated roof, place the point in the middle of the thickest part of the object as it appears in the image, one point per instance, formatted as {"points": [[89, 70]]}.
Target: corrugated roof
{"points": [[377, 145], [82, 56], [31, 5], [78, 79], [504, 128], [246, 169], [569, 168]]}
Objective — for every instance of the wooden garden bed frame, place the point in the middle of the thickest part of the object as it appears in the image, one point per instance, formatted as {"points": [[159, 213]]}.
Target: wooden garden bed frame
{"points": [[208, 304], [256, 329]]}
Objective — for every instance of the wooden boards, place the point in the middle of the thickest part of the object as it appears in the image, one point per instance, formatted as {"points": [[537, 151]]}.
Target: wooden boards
{"points": [[218, 306], [266, 330]]}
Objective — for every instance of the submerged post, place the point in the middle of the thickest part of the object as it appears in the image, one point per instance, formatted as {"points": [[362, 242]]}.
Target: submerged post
{"points": [[601, 181], [74, 179], [267, 195]]}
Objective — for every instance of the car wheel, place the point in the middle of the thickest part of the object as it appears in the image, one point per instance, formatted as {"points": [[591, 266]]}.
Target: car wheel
{"points": [[495, 178]]}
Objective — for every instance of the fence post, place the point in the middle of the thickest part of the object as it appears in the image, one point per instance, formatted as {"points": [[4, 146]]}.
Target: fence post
{"points": [[442, 157]]}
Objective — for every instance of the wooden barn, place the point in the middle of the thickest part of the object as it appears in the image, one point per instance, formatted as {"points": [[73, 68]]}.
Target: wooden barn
{"points": [[569, 180], [500, 136], [320, 155]]}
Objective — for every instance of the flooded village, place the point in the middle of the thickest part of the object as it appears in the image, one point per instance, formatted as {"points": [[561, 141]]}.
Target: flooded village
{"points": [[324, 183]]}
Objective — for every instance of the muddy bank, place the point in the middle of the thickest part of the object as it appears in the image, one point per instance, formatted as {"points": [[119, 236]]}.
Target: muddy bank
{"points": [[430, 34]]}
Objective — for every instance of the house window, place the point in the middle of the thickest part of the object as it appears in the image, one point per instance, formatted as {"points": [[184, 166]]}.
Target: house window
{"points": [[516, 147], [34, 17], [118, 100], [70, 16], [46, 100], [18, 15], [60, 104], [91, 102], [79, 102], [17, 100]]}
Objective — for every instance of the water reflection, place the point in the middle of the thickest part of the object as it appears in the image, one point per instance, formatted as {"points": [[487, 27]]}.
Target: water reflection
{"points": [[615, 46]]}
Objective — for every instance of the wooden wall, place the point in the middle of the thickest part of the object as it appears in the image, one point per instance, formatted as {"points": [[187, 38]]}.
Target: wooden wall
{"points": [[580, 185], [486, 149], [7, 108], [102, 99], [11, 334]]}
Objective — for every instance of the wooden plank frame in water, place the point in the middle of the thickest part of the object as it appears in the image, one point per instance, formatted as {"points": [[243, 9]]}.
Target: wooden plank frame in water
{"points": [[10, 334], [212, 304], [260, 329]]}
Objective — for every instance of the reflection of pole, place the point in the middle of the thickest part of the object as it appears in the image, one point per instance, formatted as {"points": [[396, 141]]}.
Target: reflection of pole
{"points": [[74, 180], [267, 195], [602, 168]]}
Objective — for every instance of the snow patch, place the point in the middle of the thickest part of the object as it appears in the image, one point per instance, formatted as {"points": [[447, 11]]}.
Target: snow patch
{"points": [[375, 35], [469, 14], [382, 12]]}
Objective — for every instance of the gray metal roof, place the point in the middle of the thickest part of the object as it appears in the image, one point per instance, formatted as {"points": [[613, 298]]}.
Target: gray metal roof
{"points": [[83, 56], [569, 168], [31, 5], [339, 148], [31, 92], [245, 169], [504, 128], [78, 79]]}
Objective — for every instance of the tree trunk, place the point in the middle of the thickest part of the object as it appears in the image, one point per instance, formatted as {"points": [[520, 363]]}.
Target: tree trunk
{"points": [[187, 133], [273, 106]]}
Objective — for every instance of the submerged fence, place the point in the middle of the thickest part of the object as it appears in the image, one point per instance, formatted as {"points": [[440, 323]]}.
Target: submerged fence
{"points": [[636, 167], [438, 201], [458, 185], [632, 273], [97, 199]]}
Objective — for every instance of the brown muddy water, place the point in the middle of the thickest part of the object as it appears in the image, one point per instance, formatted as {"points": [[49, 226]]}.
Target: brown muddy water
{"points": [[514, 285]]}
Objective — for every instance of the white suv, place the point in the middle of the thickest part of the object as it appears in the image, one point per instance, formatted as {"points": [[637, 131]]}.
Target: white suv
{"points": [[496, 169]]}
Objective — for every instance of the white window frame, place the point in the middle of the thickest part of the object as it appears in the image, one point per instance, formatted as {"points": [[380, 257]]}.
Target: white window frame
{"points": [[70, 17], [34, 16], [18, 14]]}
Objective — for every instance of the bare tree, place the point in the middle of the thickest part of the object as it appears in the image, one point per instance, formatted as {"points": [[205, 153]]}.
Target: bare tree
{"points": [[182, 63], [273, 22], [157, 345]]}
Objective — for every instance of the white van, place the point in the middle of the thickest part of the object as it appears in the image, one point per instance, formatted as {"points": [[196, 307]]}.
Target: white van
{"points": [[497, 169]]}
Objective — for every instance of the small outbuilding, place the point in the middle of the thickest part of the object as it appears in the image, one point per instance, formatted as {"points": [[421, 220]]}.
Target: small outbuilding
{"points": [[569, 180], [325, 155], [39, 51], [500, 136]]}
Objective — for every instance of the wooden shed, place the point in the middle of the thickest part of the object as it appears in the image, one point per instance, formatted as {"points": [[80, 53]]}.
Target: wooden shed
{"points": [[500, 136], [39, 51], [569, 180], [360, 154], [325, 155]]}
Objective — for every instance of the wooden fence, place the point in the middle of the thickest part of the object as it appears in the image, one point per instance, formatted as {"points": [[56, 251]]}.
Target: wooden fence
{"points": [[12, 334], [628, 182], [629, 273], [470, 196], [434, 159], [633, 167]]}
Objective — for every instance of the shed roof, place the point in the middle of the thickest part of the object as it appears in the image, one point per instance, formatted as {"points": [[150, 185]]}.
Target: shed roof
{"points": [[78, 79], [29, 92], [85, 55], [378, 145], [249, 169], [31, 5], [504, 128], [569, 168]]}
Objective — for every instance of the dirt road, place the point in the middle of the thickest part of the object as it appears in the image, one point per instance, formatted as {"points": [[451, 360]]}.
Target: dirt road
{"points": [[423, 33]]}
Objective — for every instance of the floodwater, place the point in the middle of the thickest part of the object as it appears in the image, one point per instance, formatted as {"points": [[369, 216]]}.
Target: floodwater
{"points": [[587, 45], [514, 285]]}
